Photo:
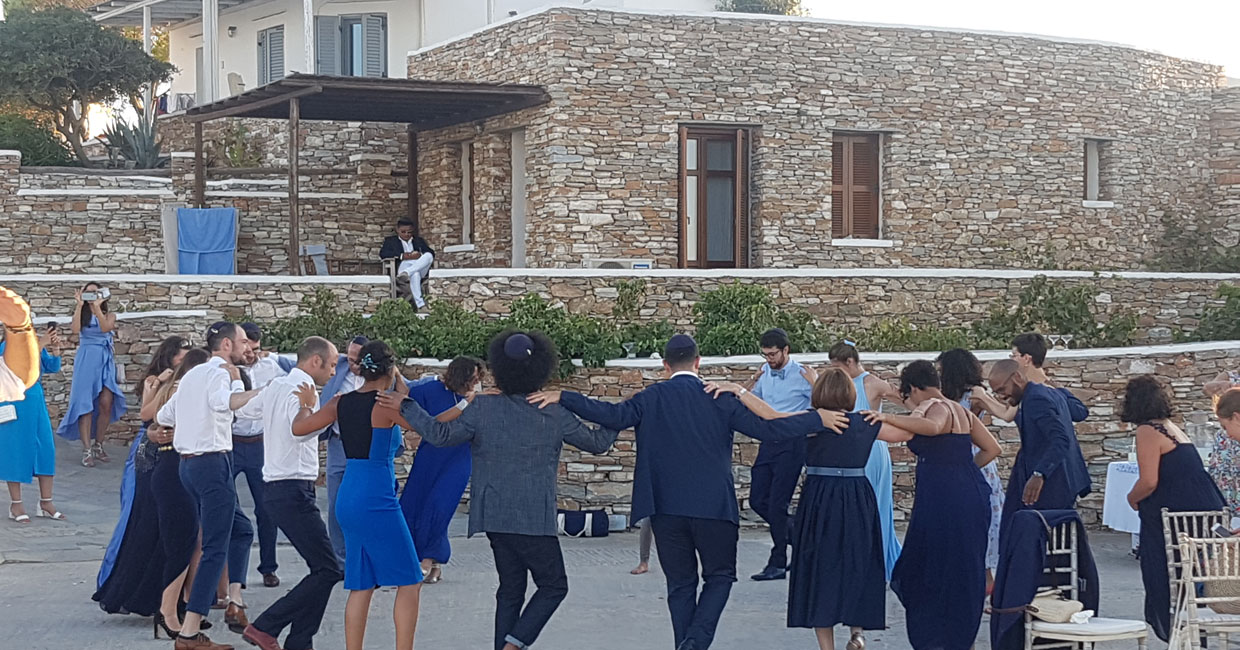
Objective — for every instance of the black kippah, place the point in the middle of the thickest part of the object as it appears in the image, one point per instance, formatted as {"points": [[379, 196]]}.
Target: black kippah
{"points": [[681, 342], [519, 346]]}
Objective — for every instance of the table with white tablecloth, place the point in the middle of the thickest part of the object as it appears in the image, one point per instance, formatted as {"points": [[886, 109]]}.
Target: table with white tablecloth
{"points": [[1116, 513]]}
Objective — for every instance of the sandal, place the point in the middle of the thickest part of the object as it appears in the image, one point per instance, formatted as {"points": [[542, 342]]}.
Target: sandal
{"points": [[435, 574], [88, 458], [97, 450], [58, 515], [20, 519], [857, 642]]}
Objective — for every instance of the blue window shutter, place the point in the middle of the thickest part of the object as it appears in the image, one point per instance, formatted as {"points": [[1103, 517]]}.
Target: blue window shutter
{"points": [[263, 67], [327, 45], [375, 45], [275, 53]]}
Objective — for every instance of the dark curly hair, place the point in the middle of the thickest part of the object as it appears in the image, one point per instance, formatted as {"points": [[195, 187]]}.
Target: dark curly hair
{"points": [[959, 371], [522, 362], [920, 374], [376, 360], [1146, 399], [459, 376]]}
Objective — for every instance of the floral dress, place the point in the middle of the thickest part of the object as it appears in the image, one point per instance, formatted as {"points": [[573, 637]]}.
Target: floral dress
{"points": [[1224, 465], [991, 473]]}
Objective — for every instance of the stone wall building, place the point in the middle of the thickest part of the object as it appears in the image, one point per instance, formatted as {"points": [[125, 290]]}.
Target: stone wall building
{"points": [[727, 141]]}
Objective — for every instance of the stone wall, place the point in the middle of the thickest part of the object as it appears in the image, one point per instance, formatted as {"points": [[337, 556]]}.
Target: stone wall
{"points": [[324, 144], [1225, 164], [843, 298], [983, 135], [605, 481], [262, 297]]}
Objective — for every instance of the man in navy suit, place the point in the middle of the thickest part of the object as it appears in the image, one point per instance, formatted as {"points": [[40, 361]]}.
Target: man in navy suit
{"points": [[683, 479], [1049, 472], [346, 380]]}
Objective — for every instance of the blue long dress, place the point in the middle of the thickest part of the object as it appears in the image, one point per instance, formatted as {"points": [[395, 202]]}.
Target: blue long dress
{"points": [[94, 368], [878, 470], [437, 480], [128, 479], [941, 575], [837, 575], [378, 548], [131, 576], [27, 448]]}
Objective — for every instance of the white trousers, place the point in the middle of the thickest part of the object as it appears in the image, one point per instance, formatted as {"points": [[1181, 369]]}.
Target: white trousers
{"points": [[415, 270]]}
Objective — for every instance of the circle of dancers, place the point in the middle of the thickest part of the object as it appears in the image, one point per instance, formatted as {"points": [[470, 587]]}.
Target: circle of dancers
{"points": [[182, 546]]}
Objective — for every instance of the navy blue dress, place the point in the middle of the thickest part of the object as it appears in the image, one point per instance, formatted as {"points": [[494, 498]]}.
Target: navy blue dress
{"points": [[941, 574], [437, 480], [838, 573], [378, 548]]}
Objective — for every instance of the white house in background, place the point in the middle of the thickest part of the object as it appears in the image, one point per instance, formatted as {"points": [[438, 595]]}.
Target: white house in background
{"points": [[258, 41]]}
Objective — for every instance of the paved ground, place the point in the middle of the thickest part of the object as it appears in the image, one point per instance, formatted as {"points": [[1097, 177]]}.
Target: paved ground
{"points": [[47, 575]]}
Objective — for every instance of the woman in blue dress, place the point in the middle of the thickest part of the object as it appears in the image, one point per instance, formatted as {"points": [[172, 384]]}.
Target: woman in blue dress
{"points": [[379, 550], [95, 397], [941, 575], [27, 448], [870, 394], [440, 474]]}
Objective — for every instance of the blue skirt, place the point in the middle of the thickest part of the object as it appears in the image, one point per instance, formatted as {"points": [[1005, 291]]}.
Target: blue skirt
{"points": [[432, 494], [94, 369], [378, 548], [878, 471]]}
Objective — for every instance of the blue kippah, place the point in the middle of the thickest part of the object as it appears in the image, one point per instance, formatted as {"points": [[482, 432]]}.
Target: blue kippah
{"points": [[519, 346], [681, 342]]}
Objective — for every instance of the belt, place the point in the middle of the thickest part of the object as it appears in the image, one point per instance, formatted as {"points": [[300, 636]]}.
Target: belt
{"points": [[204, 453], [842, 472], [247, 439], [164, 448]]}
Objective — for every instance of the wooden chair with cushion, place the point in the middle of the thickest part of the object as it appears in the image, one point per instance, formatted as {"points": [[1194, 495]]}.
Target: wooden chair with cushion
{"points": [[1061, 565]]}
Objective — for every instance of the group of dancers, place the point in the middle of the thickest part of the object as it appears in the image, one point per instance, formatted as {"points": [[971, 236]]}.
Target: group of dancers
{"points": [[183, 544]]}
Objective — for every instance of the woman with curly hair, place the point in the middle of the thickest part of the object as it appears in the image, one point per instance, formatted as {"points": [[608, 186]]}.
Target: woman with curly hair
{"points": [[1171, 477]]}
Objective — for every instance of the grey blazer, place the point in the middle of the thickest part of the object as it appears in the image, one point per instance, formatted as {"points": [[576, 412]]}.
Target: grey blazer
{"points": [[516, 453]]}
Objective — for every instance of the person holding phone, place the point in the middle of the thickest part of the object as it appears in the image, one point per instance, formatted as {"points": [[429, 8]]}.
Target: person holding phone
{"points": [[95, 397], [27, 449], [1171, 477]]}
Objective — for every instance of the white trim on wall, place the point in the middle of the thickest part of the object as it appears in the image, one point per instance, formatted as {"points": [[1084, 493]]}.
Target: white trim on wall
{"points": [[98, 191], [163, 278], [131, 315], [794, 272]]}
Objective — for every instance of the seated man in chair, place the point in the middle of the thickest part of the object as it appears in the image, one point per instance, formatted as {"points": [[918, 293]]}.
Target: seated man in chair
{"points": [[414, 257]]}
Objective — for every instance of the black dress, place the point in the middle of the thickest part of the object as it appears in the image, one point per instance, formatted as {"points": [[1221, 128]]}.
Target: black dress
{"points": [[838, 571], [1183, 486], [175, 512], [135, 585]]}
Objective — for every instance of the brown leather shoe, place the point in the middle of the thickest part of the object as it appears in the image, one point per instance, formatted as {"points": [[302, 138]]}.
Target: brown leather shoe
{"points": [[234, 618], [200, 642], [264, 641], [271, 580]]}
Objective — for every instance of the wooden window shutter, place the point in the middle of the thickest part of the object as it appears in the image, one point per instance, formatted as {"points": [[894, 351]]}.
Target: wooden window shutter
{"points": [[865, 187], [743, 227], [374, 50], [275, 53], [327, 45], [839, 229]]}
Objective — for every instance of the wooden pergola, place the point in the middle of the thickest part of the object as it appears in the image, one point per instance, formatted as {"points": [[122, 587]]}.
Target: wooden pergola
{"points": [[421, 105]]}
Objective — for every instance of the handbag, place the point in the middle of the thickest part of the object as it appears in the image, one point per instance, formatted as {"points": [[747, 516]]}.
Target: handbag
{"points": [[1223, 589], [582, 523], [1050, 606]]}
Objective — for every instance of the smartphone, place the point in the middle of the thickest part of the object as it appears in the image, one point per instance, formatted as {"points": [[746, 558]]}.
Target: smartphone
{"points": [[1222, 531], [52, 326]]}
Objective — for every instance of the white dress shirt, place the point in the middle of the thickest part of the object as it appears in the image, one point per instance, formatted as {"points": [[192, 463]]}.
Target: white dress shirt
{"points": [[406, 245], [262, 373], [203, 424], [285, 456]]}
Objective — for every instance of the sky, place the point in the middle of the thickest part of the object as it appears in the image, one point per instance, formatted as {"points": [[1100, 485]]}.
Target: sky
{"points": [[1202, 30]]}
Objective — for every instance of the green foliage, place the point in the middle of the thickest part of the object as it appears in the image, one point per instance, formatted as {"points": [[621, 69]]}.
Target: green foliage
{"points": [[240, 149], [899, 335], [137, 143], [1219, 322], [773, 7], [732, 318], [1190, 246], [59, 60], [38, 144]]}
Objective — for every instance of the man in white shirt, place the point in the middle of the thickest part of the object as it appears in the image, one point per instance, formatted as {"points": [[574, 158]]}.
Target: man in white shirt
{"points": [[290, 470], [247, 459], [415, 256], [201, 415]]}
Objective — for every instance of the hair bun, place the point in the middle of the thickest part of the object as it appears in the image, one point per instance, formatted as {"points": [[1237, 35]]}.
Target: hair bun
{"points": [[519, 346]]}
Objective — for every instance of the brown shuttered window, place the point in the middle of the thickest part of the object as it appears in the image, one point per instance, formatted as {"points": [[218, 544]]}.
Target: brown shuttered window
{"points": [[854, 185], [714, 197]]}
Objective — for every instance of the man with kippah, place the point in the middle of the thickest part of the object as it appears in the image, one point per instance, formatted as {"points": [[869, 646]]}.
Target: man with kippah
{"points": [[683, 479]]}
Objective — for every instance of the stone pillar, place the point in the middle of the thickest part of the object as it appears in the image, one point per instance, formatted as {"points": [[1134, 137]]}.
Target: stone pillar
{"points": [[183, 176], [10, 175]]}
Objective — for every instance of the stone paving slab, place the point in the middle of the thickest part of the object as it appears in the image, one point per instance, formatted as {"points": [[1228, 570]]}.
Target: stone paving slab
{"points": [[49, 569]]}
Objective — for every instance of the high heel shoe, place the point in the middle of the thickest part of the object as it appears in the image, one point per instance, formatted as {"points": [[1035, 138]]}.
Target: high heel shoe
{"points": [[58, 515], [20, 519], [161, 622], [181, 609], [857, 642]]}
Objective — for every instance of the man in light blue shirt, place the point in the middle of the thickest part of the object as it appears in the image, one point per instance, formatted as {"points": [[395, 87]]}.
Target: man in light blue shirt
{"points": [[782, 383]]}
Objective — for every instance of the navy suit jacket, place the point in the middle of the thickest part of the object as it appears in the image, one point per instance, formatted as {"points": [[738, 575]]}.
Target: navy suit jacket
{"points": [[684, 444], [1048, 445]]}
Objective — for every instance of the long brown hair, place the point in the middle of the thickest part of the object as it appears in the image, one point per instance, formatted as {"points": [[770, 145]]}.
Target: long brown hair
{"points": [[161, 360], [195, 357], [85, 314]]}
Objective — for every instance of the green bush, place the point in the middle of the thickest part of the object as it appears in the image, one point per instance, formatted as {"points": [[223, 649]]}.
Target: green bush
{"points": [[732, 318], [39, 145], [1219, 322]]}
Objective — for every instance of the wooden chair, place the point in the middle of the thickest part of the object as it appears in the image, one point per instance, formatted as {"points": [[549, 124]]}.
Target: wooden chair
{"points": [[1062, 569], [391, 266], [1213, 561], [314, 259], [1179, 525]]}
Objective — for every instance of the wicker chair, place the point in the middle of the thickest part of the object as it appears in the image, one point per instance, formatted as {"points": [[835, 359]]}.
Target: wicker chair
{"points": [[1063, 544], [1213, 563]]}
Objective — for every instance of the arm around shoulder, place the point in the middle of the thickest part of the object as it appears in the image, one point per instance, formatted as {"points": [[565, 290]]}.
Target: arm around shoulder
{"points": [[591, 439]]}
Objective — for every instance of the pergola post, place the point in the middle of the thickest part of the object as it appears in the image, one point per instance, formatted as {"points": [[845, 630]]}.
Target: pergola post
{"points": [[412, 167], [294, 208], [200, 169]]}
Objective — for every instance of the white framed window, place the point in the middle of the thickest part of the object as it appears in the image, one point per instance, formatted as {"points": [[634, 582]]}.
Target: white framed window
{"points": [[467, 192], [271, 55]]}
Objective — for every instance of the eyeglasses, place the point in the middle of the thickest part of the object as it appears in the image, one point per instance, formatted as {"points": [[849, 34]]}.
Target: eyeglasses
{"points": [[772, 355]]}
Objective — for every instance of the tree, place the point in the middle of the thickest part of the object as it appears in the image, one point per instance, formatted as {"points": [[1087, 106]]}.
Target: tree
{"points": [[60, 61], [775, 7]]}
